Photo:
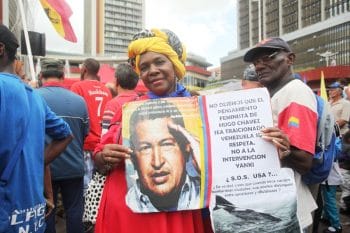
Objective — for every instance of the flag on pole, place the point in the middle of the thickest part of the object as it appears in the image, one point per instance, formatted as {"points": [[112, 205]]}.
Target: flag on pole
{"points": [[323, 92], [59, 12]]}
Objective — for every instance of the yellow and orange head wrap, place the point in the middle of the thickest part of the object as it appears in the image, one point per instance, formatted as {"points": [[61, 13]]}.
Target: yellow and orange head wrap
{"points": [[159, 41]]}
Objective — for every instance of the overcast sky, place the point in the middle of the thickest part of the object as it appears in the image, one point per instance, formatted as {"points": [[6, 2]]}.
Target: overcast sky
{"points": [[206, 27]]}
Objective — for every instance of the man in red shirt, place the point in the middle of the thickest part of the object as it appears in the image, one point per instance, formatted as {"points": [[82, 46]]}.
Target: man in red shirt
{"points": [[96, 96], [126, 80]]}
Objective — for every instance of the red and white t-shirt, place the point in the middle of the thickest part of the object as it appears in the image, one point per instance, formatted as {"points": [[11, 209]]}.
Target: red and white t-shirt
{"points": [[96, 96], [115, 105], [294, 110]]}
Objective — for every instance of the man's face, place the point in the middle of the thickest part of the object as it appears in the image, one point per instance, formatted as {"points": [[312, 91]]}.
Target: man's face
{"points": [[335, 92], [158, 157], [272, 65]]}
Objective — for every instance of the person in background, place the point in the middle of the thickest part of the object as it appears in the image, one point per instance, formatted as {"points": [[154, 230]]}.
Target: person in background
{"points": [[67, 171], [330, 214], [341, 111], [158, 56], [340, 107], [250, 78], [112, 88], [344, 163], [347, 93], [125, 80], [290, 99], [96, 96], [19, 70], [24, 120]]}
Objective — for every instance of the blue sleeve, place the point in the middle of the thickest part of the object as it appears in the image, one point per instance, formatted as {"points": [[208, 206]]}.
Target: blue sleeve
{"points": [[86, 121], [55, 126]]}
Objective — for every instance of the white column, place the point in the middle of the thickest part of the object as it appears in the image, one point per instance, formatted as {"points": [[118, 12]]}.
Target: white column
{"points": [[259, 20], [250, 24], [300, 12], [264, 19], [238, 27], [259, 17], [280, 18], [5, 12], [67, 68], [323, 14], [26, 36], [93, 22]]}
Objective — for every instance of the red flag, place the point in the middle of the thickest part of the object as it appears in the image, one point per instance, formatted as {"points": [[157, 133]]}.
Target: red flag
{"points": [[59, 12]]}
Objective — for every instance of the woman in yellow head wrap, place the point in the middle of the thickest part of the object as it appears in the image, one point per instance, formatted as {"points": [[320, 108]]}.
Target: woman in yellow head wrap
{"points": [[158, 57]]}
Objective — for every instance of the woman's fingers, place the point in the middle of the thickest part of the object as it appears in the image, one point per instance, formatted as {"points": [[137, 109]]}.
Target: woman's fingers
{"points": [[115, 153]]}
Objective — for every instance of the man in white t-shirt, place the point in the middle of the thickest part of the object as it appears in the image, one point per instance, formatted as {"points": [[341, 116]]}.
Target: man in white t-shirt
{"points": [[294, 112]]}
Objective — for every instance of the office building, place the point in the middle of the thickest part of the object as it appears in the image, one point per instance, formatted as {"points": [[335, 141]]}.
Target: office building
{"points": [[118, 21], [196, 76], [318, 31]]}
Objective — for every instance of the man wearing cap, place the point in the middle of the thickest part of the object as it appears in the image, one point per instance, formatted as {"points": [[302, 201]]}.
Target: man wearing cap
{"points": [[341, 110], [24, 120], [294, 112], [67, 171], [340, 107], [250, 78]]}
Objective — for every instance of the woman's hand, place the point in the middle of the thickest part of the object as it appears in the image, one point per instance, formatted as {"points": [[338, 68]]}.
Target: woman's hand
{"points": [[111, 156], [279, 139]]}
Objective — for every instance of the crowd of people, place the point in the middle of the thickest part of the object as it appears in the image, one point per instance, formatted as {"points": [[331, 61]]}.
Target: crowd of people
{"points": [[53, 140]]}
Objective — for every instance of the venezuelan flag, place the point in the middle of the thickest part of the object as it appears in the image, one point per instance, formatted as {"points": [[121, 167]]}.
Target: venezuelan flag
{"points": [[323, 91], [59, 12], [293, 122]]}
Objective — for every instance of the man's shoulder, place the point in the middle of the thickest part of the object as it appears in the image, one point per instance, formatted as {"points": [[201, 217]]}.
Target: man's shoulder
{"points": [[12, 84], [92, 87], [297, 84], [344, 102], [60, 91], [113, 102], [72, 95], [76, 84], [11, 80], [124, 98], [296, 92]]}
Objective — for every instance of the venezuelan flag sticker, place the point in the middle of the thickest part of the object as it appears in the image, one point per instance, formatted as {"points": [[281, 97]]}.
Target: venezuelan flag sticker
{"points": [[293, 122]]}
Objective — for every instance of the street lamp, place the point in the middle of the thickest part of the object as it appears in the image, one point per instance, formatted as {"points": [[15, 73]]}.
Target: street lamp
{"points": [[327, 55], [259, 15]]}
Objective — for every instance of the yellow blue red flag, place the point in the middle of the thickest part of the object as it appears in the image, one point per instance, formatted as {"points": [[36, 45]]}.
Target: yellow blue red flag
{"points": [[323, 91], [59, 12]]}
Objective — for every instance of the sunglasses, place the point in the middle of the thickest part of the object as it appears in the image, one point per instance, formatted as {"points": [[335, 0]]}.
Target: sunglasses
{"points": [[267, 58]]}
